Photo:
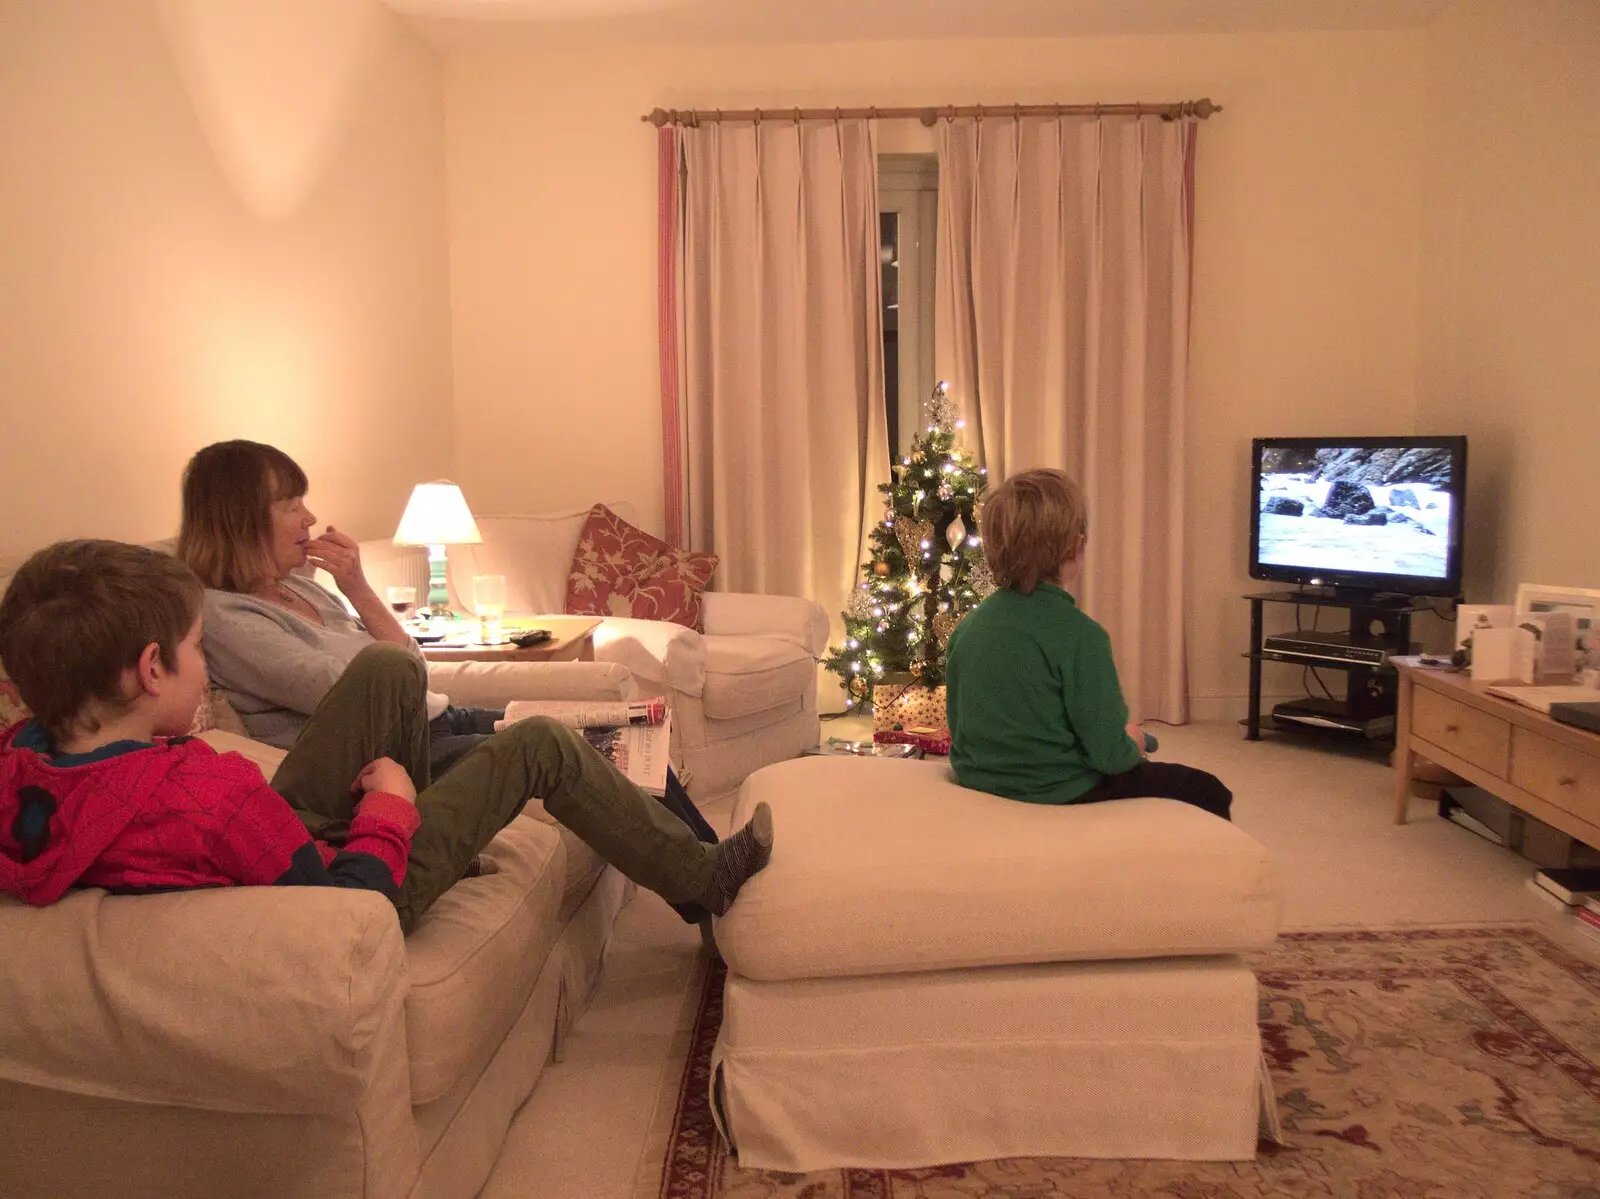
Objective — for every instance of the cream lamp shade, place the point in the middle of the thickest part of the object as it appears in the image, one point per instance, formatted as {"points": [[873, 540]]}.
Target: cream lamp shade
{"points": [[437, 514]]}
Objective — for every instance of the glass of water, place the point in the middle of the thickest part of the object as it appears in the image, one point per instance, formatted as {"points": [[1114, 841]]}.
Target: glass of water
{"points": [[489, 602]]}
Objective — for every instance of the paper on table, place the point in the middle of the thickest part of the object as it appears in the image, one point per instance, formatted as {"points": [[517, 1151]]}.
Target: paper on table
{"points": [[1540, 698]]}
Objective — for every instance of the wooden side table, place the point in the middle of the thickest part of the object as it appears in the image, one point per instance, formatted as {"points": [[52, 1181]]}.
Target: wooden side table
{"points": [[1545, 768], [571, 640]]}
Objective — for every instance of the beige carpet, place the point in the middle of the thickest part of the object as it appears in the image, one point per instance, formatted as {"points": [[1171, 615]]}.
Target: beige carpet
{"points": [[1409, 1062], [1325, 815]]}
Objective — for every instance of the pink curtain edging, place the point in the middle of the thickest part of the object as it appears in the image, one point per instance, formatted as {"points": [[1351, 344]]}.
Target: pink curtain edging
{"points": [[667, 330]]}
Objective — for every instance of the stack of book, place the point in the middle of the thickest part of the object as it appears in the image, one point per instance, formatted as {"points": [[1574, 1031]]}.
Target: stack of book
{"points": [[1576, 890]]}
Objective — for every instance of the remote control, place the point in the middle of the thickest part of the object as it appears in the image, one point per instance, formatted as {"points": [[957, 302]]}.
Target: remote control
{"points": [[530, 637]]}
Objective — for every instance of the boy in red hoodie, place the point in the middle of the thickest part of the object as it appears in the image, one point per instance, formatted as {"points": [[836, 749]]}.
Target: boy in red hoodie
{"points": [[103, 788]]}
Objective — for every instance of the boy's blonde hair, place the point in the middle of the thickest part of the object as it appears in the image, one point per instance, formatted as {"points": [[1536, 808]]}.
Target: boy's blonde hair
{"points": [[228, 492], [1031, 524], [77, 614]]}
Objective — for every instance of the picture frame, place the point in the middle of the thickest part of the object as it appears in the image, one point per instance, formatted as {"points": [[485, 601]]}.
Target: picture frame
{"points": [[1582, 602]]}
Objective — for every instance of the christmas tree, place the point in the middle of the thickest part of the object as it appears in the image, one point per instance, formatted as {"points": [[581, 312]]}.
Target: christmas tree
{"points": [[927, 568]]}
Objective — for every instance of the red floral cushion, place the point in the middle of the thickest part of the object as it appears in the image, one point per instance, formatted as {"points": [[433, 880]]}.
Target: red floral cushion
{"points": [[620, 570]]}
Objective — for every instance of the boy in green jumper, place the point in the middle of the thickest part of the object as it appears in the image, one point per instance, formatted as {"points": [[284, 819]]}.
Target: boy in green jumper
{"points": [[1034, 706]]}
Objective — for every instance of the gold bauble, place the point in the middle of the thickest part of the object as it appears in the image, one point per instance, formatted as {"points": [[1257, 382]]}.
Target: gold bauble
{"points": [[880, 568]]}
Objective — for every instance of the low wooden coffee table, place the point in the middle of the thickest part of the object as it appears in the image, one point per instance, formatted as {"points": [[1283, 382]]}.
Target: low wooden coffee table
{"points": [[571, 640]]}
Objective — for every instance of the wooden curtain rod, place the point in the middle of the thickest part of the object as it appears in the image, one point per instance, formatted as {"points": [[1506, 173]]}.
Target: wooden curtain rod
{"points": [[1202, 109]]}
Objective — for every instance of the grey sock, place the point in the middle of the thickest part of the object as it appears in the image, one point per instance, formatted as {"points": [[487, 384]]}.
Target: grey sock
{"points": [[738, 857]]}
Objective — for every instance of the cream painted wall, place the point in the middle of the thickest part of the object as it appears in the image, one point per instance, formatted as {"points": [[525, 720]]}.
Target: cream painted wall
{"points": [[1510, 320], [1309, 200], [217, 220]]}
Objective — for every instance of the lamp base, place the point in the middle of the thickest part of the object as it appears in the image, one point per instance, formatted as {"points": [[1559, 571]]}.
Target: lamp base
{"points": [[438, 583]]}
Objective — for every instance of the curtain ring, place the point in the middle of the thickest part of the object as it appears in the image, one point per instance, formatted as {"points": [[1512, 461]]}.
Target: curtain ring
{"points": [[797, 116], [980, 114], [1097, 113], [837, 116], [1017, 116], [1138, 110], [758, 116], [872, 113]]}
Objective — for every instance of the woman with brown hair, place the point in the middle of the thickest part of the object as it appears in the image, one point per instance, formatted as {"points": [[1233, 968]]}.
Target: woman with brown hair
{"points": [[277, 643]]}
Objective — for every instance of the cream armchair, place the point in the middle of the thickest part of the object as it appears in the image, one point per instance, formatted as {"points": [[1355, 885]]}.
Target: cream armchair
{"points": [[743, 692]]}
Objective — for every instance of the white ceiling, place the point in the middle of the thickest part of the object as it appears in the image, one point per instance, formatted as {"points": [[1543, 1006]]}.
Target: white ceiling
{"points": [[635, 22]]}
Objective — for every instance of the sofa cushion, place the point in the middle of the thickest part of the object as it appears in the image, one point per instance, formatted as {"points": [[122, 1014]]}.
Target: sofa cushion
{"points": [[475, 954], [534, 553], [747, 674], [881, 867], [242, 999], [620, 570]]}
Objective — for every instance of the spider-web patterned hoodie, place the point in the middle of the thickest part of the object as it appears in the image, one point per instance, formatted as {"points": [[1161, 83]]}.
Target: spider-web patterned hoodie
{"points": [[171, 814]]}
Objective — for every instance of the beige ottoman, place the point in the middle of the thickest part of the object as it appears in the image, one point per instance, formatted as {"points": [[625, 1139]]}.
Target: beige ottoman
{"points": [[926, 974]]}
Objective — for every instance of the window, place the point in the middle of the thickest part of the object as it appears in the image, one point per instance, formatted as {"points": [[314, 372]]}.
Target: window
{"points": [[908, 199]]}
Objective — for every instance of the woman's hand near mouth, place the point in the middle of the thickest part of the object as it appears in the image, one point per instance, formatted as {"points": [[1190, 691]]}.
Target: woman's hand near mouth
{"points": [[339, 555]]}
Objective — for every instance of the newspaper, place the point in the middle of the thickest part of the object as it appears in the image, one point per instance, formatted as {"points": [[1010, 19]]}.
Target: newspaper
{"points": [[638, 750], [579, 714]]}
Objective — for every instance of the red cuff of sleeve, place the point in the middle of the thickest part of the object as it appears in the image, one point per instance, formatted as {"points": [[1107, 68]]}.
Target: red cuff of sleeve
{"points": [[390, 809]]}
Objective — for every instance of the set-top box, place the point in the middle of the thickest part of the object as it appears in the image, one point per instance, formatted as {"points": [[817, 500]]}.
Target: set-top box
{"points": [[1314, 644]]}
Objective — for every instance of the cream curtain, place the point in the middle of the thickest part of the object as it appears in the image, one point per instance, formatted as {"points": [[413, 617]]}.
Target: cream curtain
{"points": [[1062, 323], [782, 352]]}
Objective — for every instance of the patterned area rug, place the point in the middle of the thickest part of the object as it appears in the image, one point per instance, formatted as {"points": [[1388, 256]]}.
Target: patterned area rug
{"points": [[1417, 1064]]}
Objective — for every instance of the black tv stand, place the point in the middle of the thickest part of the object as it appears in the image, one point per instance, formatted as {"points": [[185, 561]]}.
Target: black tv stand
{"points": [[1354, 597], [1379, 625]]}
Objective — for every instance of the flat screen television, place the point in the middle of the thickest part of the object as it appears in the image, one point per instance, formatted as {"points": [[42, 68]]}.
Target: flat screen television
{"points": [[1359, 514]]}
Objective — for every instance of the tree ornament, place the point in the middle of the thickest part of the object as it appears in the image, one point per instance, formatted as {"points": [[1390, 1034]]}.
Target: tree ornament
{"points": [[942, 410], [911, 534], [956, 533], [859, 605], [943, 625], [918, 456], [981, 579], [946, 492], [880, 567]]}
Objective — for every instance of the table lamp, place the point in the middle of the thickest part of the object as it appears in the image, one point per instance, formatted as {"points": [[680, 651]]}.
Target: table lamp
{"points": [[436, 516]]}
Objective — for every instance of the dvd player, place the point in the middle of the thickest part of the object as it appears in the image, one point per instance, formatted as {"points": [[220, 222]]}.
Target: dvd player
{"points": [[1332, 714], [1325, 646]]}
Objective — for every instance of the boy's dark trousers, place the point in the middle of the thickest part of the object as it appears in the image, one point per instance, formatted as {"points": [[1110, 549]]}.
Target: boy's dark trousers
{"points": [[377, 710], [1164, 780]]}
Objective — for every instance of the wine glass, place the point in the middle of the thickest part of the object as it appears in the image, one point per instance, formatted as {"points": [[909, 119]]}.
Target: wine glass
{"points": [[401, 600], [489, 601]]}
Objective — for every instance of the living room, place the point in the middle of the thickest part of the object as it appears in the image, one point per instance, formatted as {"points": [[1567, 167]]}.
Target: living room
{"points": [[405, 242]]}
